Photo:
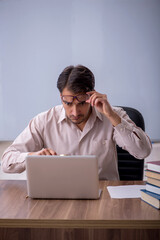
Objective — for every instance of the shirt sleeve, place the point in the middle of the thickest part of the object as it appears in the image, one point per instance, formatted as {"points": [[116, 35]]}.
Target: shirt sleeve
{"points": [[30, 140], [130, 137]]}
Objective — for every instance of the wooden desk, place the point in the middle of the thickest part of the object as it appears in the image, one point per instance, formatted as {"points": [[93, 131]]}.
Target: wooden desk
{"points": [[23, 218]]}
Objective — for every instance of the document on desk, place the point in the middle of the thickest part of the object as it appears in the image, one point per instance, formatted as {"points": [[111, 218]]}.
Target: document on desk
{"points": [[127, 191]]}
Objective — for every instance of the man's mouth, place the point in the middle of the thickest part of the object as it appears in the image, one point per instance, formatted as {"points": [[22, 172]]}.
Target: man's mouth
{"points": [[75, 118]]}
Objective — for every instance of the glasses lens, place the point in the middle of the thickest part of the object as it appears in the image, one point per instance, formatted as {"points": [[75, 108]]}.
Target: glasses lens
{"points": [[67, 98], [82, 98]]}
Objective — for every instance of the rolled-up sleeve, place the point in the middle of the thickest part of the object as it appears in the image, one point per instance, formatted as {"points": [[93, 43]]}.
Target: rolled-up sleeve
{"points": [[30, 140], [131, 138]]}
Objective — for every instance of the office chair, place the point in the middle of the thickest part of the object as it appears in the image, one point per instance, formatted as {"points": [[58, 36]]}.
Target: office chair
{"points": [[129, 167]]}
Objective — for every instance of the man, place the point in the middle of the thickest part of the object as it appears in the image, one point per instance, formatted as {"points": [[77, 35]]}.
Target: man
{"points": [[85, 124]]}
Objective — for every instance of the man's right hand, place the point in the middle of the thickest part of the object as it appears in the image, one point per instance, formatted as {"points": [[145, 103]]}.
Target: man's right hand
{"points": [[44, 151]]}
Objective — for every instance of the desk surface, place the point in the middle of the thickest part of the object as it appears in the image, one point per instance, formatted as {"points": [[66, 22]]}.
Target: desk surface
{"points": [[17, 210]]}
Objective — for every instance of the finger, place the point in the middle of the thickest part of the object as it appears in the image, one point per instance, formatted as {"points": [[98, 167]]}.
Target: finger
{"points": [[41, 152], [94, 97], [98, 102], [52, 152], [47, 151], [90, 94], [91, 97], [100, 97], [44, 151]]}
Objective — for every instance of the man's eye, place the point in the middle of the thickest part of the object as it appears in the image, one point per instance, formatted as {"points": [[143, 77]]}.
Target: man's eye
{"points": [[68, 103], [82, 103]]}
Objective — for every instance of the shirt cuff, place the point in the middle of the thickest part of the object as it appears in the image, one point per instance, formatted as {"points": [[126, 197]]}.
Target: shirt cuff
{"points": [[22, 157]]}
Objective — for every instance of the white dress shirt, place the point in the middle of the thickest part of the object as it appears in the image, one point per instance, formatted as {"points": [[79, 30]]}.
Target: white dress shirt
{"points": [[52, 129]]}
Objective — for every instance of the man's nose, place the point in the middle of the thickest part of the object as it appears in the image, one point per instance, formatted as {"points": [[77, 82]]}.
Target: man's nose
{"points": [[75, 110]]}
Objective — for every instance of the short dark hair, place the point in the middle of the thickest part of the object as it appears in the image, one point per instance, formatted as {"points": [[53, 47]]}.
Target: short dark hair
{"points": [[77, 79]]}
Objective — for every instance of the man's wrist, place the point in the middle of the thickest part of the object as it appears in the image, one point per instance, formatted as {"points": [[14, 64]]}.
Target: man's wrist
{"points": [[114, 118]]}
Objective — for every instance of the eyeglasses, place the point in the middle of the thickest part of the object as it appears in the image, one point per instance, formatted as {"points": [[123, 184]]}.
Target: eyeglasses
{"points": [[80, 98]]}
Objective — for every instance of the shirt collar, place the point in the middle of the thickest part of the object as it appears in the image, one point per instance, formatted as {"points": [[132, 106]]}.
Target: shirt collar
{"points": [[62, 115], [94, 114]]}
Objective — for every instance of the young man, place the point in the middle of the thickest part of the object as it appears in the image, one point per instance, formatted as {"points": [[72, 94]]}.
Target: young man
{"points": [[85, 124]]}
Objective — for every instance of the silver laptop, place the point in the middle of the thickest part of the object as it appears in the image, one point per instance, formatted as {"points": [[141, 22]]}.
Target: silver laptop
{"points": [[62, 177]]}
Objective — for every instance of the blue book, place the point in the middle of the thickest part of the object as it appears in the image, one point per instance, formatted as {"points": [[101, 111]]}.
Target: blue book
{"points": [[151, 198], [152, 188]]}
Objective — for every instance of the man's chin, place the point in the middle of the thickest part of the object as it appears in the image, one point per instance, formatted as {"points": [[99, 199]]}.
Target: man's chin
{"points": [[76, 121]]}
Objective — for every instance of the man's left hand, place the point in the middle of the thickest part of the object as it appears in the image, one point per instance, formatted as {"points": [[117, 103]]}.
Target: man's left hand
{"points": [[100, 102]]}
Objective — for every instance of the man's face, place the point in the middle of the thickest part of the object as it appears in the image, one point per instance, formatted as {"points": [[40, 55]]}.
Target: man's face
{"points": [[77, 110]]}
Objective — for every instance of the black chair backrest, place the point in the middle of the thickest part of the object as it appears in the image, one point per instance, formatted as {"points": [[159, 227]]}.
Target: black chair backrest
{"points": [[129, 167]]}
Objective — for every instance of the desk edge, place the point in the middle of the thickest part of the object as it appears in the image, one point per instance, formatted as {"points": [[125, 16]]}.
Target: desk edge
{"points": [[83, 224]]}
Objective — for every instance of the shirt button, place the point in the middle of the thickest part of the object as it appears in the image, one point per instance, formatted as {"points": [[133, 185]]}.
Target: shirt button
{"points": [[104, 142]]}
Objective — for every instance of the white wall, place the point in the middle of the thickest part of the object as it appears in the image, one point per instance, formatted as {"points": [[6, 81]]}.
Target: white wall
{"points": [[117, 39]]}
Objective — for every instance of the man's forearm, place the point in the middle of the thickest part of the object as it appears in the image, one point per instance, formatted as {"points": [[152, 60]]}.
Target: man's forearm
{"points": [[114, 118], [13, 162]]}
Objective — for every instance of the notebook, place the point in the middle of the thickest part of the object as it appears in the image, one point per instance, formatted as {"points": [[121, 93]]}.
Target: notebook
{"points": [[62, 177]]}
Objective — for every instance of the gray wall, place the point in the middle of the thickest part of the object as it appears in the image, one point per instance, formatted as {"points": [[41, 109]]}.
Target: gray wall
{"points": [[117, 39]]}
